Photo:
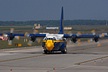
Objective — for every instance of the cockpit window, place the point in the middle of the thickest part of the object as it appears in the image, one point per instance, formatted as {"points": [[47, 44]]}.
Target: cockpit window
{"points": [[49, 38]]}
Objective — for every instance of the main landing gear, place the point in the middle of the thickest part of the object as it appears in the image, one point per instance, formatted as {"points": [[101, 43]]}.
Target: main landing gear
{"points": [[64, 51], [48, 52]]}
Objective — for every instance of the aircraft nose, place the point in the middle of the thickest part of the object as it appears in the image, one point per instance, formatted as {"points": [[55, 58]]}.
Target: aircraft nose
{"points": [[49, 45]]}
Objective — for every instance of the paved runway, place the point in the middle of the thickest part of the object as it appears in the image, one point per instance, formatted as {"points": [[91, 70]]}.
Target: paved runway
{"points": [[85, 58]]}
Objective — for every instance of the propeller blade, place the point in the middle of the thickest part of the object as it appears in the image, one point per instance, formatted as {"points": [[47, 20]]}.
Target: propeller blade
{"points": [[90, 40], [98, 44], [38, 40], [26, 34], [102, 35], [5, 35], [11, 30], [25, 39], [93, 32], [30, 43], [34, 27], [79, 33], [17, 37], [79, 42], [69, 41], [9, 42], [35, 31]]}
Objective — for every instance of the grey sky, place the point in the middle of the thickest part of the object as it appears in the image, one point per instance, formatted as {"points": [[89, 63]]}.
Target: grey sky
{"points": [[22, 10]]}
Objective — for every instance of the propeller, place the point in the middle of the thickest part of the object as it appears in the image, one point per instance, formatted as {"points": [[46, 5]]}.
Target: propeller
{"points": [[32, 39], [10, 36], [96, 37], [74, 38], [32, 36]]}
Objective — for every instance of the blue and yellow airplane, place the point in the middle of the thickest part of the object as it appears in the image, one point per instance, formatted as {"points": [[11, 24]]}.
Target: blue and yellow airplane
{"points": [[55, 42]]}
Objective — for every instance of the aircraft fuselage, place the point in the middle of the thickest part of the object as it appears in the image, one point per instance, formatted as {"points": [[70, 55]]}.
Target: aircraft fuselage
{"points": [[54, 45]]}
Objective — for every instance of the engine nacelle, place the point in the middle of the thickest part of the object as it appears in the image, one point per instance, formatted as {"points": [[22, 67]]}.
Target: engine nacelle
{"points": [[11, 36], [74, 39], [33, 38], [96, 38]]}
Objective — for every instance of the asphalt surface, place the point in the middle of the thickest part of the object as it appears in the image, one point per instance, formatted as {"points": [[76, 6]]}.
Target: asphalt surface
{"points": [[84, 58]]}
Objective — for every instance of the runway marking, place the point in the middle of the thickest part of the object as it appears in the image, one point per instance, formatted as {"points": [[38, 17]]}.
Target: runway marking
{"points": [[22, 58], [4, 54], [80, 49], [85, 48], [21, 48], [90, 60]]}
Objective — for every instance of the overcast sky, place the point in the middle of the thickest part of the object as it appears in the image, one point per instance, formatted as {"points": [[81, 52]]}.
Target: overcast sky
{"points": [[23, 10]]}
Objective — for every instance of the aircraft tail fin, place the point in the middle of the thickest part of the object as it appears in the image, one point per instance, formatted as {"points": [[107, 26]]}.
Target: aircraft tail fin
{"points": [[61, 31]]}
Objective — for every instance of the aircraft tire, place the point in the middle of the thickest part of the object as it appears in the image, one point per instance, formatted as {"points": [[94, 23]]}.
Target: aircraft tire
{"points": [[64, 51], [45, 52]]}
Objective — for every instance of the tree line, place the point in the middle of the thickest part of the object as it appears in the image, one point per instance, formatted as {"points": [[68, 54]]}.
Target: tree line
{"points": [[53, 22]]}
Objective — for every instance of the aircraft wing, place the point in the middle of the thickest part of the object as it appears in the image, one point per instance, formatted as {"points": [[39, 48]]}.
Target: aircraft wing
{"points": [[85, 35], [37, 35], [28, 35], [95, 37], [79, 36], [12, 35], [15, 34]]}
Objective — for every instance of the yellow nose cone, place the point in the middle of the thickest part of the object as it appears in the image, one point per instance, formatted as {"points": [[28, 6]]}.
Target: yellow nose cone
{"points": [[49, 45]]}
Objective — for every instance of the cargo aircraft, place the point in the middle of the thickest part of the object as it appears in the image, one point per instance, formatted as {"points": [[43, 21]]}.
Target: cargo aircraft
{"points": [[54, 42]]}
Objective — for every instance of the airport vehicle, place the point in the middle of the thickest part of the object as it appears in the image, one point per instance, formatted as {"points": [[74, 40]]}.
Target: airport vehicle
{"points": [[55, 42]]}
